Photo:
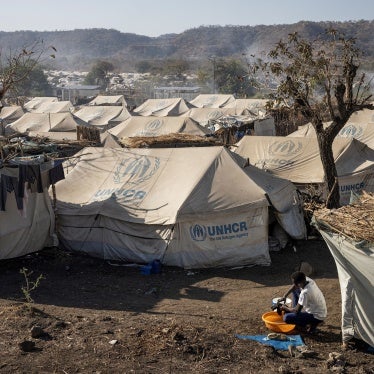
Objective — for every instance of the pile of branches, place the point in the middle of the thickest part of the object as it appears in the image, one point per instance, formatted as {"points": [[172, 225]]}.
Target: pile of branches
{"points": [[170, 140], [20, 145], [355, 221]]}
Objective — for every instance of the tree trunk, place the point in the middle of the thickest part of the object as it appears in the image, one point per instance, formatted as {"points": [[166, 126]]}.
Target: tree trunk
{"points": [[325, 141]]}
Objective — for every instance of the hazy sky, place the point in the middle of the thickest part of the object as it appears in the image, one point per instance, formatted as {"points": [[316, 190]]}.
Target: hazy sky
{"points": [[154, 18]]}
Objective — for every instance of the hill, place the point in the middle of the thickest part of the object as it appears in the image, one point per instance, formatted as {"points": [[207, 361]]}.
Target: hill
{"points": [[77, 49]]}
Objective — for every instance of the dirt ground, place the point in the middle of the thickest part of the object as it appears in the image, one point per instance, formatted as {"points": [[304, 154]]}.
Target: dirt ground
{"points": [[100, 318]]}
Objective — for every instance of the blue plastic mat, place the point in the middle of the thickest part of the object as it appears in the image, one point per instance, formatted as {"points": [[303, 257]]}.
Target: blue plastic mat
{"points": [[282, 345]]}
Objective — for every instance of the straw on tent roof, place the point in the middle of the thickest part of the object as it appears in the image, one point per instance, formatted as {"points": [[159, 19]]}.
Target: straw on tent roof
{"points": [[170, 140], [355, 221]]}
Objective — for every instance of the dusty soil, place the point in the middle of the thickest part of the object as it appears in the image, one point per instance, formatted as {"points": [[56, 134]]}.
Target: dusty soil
{"points": [[101, 318]]}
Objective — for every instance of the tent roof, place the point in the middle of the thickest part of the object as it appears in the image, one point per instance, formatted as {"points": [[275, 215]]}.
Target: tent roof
{"points": [[98, 115], [298, 159], [11, 113], [53, 107], [213, 101], [35, 102], [204, 115], [45, 122], [156, 126], [360, 126], [157, 186], [162, 107], [106, 100]]}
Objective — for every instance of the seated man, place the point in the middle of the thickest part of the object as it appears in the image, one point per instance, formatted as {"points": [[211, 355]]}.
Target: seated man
{"points": [[309, 306]]}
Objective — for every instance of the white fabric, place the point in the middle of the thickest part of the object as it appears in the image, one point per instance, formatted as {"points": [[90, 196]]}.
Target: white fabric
{"points": [[107, 100], [298, 160], [35, 102], [29, 230], [53, 107], [45, 122], [175, 204], [157, 126], [204, 115], [214, 101], [162, 107], [355, 264], [359, 126], [99, 116], [312, 300]]}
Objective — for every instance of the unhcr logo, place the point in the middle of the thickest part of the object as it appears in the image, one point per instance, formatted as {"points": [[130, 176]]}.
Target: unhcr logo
{"points": [[219, 232], [285, 148], [136, 169], [351, 131], [154, 125], [198, 233]]}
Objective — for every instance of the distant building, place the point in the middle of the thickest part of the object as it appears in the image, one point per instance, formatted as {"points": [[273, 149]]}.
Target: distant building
{"points": [[76, 93]]}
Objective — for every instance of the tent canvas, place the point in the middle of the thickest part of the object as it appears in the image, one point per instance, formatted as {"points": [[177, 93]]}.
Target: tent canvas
{"points": [[157, 126], [53, 107], [162, 107], [45, 122], [29, 229], [206, 115], [108, 100], [99, 116], [179, 205], [255, 107], [35, 102], [285, 200], [11, 113], [298, 160], [360, 126], [355, 263], [213, 101]]}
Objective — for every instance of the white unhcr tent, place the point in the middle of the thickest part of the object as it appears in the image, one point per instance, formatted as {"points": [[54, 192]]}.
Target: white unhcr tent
{"points": [[24, 229], [54, 107], [36, 102], [109, 100], [179, 205], [360, 126], [355, 263], [298, 160], [45, 122], [11, 113], [157, 126], [207, 116], [162, 107], [213, 101], [99, 116]]}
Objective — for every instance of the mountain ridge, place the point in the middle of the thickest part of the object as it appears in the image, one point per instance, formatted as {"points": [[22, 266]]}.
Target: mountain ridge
{"points": [[77, 49]]}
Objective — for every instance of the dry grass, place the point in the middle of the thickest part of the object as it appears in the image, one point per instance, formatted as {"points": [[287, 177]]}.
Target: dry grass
{"points": [[170, 140], [355, 221]]}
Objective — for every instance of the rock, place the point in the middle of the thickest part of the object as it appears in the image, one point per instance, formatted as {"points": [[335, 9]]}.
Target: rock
{"points": [[37, 332], [27, 345]]}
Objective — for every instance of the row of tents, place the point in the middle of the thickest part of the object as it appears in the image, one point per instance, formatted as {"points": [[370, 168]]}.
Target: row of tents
{"points": [[191, 207]]}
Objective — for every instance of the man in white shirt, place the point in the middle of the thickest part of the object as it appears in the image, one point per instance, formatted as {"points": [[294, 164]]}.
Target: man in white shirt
{"points": [[309, 307]]}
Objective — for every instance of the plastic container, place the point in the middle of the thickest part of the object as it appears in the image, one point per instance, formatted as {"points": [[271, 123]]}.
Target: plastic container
{"points": [[154, 267], [274, 302], [146, 269], [274, 322]]}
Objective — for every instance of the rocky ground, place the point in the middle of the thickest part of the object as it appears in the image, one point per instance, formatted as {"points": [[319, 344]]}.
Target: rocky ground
{"points": [[89, 316]]}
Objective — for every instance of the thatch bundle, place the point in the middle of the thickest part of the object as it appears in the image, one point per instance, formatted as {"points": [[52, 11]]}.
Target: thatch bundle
{"points": [[355, 221], [170, 140]]}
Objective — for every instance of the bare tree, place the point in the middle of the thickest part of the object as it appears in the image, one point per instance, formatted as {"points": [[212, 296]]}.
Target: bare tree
{"points": [[16, 66], [319, 79]]}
